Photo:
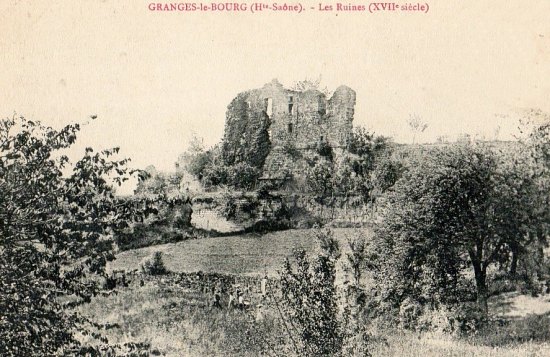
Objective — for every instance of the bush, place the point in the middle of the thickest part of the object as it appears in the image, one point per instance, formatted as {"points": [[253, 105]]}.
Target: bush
{"points": [[310, 300], [506, 332], [215, 175], [325, 150], [465, 319], [263, 226], [409, 313], [155, 265], [243, 176]]}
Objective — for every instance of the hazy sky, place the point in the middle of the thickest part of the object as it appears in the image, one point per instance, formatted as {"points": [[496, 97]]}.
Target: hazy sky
{"points": [[155, 78]]}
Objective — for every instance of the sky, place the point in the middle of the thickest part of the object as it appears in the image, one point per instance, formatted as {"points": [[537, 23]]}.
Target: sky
{"points": [[155, 79]]}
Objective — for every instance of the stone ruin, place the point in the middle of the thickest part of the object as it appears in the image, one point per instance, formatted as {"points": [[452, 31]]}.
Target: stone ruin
{"points": [[266, 126]]}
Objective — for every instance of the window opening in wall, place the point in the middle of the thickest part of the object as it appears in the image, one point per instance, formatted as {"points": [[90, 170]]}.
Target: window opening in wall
{"points": [[290, 108], [290, 127]]}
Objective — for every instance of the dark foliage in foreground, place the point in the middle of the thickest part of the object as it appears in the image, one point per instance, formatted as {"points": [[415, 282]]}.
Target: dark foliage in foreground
{"points": [[310, 300], [57, 222]]}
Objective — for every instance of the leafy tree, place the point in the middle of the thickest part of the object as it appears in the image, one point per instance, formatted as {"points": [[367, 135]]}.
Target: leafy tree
{"points": [[417, 125], [365, 170], [155, 184], [154, 265], [320, 181], [311, 84], [215, 175], [532, 160], [369, 168], [310, 301], [384, 175], [57, 223], [243, 176], [455, 208], [195, 159], [367, 146]]}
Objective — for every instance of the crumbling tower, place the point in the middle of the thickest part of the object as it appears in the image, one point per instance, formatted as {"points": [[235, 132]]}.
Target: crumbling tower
{"points": [[263, 125]]}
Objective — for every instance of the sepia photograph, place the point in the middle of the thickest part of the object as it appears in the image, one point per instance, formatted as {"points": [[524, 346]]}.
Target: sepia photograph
{"points": [[298, 178]]}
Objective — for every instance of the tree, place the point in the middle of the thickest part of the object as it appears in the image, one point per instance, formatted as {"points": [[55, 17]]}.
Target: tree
{"points": [[310, 300], [311, 84], [320, 181], [457, 207], [417, 125], [363, 172], [374, 169], [535, 165], [195, 159], [243, 176], [367, 146], [57, 223], [523, 204], [215, 175]]}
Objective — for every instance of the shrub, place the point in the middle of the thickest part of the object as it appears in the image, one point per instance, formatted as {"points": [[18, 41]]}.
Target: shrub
{"points": [[464, 319], [155, 265], [506, 332], [467, 318], [263, 226], [243, 176], [310, 301], [325, 150], [215, 175], [409, 313]]}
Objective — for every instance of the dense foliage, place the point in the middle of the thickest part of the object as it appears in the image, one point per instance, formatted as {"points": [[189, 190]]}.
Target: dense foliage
{"points": [[459, 210], [57, 223], [311, 302], [207, 166], [361, 174]]}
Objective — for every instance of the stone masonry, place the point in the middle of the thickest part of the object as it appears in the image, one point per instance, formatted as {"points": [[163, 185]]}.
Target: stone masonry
{"points": [[265, 126]]}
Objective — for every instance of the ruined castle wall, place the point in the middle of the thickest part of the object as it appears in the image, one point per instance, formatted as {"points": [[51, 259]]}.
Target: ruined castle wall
{"points": [[246, 136], [262, 123], [341, 108]]}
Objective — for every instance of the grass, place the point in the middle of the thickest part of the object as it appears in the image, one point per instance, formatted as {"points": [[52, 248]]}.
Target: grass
{"points": [[407, 344], [179, 321], [249, 254], [514, 305]]}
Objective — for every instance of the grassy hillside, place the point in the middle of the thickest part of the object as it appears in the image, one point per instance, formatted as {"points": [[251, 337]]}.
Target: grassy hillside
{"points": [[178, 320], [250, 254]]}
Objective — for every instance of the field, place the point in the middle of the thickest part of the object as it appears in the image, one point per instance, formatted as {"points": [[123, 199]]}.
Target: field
{"points": [[180, 321], [250, 254]]}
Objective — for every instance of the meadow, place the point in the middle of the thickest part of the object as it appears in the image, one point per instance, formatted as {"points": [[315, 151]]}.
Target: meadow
{"points": [[179, 320], [249, 254]]}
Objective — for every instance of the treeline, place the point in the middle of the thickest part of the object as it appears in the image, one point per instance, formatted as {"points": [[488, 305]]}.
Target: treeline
{"points": [[453, 225], [462, 222], [365, 167]]}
